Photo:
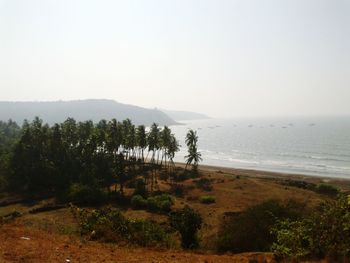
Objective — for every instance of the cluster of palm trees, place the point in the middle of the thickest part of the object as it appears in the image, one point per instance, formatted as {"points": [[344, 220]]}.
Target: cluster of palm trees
{"points": [[109, 152], [131, 141], [53, 158]]}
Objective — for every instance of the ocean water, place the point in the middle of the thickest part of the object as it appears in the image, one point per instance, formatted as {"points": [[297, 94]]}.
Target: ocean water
{"points": [[310, 146]]}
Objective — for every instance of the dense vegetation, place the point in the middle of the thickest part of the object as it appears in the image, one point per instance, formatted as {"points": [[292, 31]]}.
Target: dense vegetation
{"points": [[251, 229], [290, 230], [81, 159], [326, 233], [9, 135], [187, 221]]}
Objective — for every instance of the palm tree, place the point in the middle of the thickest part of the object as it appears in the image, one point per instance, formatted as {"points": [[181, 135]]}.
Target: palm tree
{"points": [[141, 140], [153, 145], [101, 131], [191, 138], [153, 141], [127, 139], [172, 149], [113, 137], [165, 137], [193, 155]]}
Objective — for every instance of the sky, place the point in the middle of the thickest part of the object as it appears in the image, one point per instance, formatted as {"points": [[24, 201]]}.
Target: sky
{"points": [[223, 58]]}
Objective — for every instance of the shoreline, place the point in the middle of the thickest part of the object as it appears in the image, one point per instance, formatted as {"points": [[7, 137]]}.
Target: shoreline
{"points": [[268, 174]]}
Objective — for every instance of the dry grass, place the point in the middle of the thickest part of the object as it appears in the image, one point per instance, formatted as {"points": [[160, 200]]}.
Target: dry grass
{"points": [[54, 237], [49, 247]]}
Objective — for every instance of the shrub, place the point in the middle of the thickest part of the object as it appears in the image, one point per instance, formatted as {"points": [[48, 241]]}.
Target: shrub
{"points": [[165, 206], [206, 199], [146, 233], [9, 217], [180, 176], [300, 184], [204, 184], [324, 234], [84, 194], [111, 225], [152, 204], [138, 202], [164, 175], [140, 187], [251, 229], [177, 189], [3, 183], [187, 221], [160, 203], [327, 189]]}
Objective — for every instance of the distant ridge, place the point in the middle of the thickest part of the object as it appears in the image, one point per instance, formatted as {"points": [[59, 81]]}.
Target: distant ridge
{"points": [[81, 110], [185, 115]]}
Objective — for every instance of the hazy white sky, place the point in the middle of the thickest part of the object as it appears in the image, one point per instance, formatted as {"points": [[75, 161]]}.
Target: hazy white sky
{"points": [[223, 58]]}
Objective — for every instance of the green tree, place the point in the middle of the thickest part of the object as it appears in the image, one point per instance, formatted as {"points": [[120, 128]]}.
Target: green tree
{"points": [[193, 157], [141, 140], [10, 133], [32, 169], [165, 140], [187, 221], [172, 149], [326, 233], [114, 138]]}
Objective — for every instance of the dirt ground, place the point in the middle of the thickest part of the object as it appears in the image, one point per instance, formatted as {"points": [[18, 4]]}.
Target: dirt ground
{"points": [[20, 244], [53, 237]]}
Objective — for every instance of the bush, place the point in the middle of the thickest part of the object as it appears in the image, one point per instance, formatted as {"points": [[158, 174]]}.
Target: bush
{"points": [[327, 189], [204, 184], [187, 221], [180, 176], [251, 229], [300, 184], [177, 189], [138, 202], [140, 187], [206, 199], [112, 226], [3, 183], [84, 194], [324, 234], [152, 204], [158, 203], [164, 175], [146, 233]]}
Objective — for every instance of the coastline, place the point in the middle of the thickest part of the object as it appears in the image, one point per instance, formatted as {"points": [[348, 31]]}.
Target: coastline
{"points": [[263, 174]]}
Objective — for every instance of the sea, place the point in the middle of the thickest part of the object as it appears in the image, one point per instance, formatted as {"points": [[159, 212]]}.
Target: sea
{"points": [[318, 146]]}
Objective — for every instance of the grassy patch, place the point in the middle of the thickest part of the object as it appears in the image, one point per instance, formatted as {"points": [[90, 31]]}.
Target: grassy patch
{"points": [[110, 225], [158, 203]]}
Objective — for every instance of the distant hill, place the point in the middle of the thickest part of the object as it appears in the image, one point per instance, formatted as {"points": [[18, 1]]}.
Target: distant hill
{"points": [[185, 115], [81, 110]]}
